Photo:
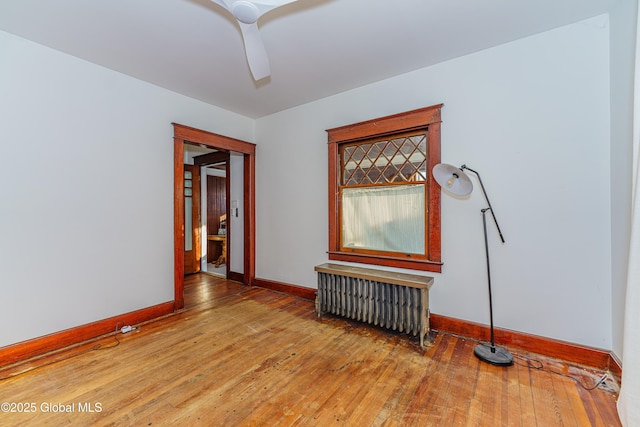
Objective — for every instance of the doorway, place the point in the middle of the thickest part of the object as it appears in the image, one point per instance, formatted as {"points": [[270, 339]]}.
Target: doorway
{"points": [[223, 144], [216, 224], [207, 229]]}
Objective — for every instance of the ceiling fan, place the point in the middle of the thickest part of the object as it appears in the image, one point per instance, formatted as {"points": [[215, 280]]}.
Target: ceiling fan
{"points": [[247, 13]]}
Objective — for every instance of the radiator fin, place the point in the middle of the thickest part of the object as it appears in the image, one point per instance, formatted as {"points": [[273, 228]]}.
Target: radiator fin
{"points": [[397, 307]]}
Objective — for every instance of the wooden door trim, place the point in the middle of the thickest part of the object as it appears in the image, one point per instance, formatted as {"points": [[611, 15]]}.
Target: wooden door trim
{"points": [[184, 134], [227, 189], [195, 231]]}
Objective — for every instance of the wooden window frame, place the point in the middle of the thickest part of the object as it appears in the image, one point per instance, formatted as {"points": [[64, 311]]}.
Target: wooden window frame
{"points": [[427, 119]]}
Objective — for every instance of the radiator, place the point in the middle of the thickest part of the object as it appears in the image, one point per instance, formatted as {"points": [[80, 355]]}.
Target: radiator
{"points": [[395, 301]]}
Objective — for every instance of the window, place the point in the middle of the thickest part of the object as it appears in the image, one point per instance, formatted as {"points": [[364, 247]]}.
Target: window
{"points": [[384, 205]]}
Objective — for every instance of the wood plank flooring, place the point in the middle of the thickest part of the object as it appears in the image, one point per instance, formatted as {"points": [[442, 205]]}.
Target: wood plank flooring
{"points": [[239, 356]]}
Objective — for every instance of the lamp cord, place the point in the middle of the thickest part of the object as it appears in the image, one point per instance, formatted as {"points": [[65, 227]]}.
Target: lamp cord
{"points": [[94, 348], [536, 364]]}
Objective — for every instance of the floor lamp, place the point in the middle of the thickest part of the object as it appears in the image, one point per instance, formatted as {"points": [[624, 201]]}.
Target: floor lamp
{"points": [[456, 182]]}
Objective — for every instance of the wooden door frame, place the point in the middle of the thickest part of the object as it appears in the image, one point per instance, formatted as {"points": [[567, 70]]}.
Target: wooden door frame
{"points": [[184, 134]]}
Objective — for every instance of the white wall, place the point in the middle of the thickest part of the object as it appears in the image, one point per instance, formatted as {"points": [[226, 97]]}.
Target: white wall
{"points": [[623, 29], [86, 178], [532, 117]]}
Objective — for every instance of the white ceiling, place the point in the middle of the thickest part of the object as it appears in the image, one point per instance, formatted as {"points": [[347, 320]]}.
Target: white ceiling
{"points": [[316, 48]]}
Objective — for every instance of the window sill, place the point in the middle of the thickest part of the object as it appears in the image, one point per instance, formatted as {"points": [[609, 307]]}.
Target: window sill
{"points": [[411, 264]]}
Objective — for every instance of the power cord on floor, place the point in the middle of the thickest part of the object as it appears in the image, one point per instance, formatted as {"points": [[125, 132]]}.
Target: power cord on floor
{"points": [[94, 348], [533, 363], [536, 364]]}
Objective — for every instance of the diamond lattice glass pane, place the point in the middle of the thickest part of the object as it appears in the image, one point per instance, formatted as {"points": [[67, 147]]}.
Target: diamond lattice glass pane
{"points": [[390, 150], [356, 177], [407, 147], [373, 154], [408, 170], [347, 155], [348, 152], [385, 161], [376, 149], [360, 152], [350, 162], [420, 141], [421, 172], [389, 173], [374, 175]]}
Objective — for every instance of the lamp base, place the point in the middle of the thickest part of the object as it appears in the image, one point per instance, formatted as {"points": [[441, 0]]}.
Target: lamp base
{"points": [[494, 355]]}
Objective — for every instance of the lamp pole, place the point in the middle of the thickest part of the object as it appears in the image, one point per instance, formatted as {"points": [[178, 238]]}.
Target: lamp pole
{"points": [[490, 353], [457, 182], [463, 167]]}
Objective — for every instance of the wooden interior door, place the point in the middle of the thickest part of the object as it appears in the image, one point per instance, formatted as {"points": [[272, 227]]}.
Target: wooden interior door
{"points": [[216, 207], [192, 242]]}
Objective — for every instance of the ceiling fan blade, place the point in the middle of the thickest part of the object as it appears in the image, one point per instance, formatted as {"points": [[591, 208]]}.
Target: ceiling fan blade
{"points": [[256, 53], [265, 6], [247, 13]]}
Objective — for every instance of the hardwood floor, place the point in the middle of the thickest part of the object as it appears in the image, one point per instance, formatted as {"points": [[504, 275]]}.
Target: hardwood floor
{"points": [[239, 356]]}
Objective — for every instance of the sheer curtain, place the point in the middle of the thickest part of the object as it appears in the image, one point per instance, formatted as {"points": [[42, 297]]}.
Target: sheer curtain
{"points": [[389, 218], [629, 399]]}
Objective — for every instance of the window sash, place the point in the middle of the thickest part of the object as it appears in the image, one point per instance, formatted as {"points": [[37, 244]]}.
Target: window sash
{"points": [[384, 218], [426, 119]]}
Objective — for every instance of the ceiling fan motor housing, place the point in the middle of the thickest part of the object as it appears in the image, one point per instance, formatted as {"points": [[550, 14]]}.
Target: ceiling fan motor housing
{"points": [[245, 12]]}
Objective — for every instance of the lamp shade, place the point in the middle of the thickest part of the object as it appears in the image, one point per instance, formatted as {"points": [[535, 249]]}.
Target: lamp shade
{"points": [[452, 179]]}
